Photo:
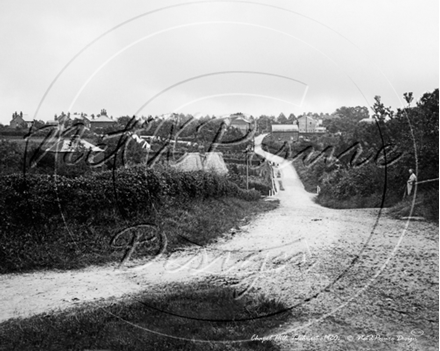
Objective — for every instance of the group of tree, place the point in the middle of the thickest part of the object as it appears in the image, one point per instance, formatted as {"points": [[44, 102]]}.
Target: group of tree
{"points": [[345, 119], [408, 134], [371, 160]]}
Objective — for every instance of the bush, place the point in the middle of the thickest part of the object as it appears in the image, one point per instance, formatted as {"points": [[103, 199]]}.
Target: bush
{"points": [[11, 157], [54, 221], [425, 205], [237, 175], [37, 199], [430, 205], [259, 186]]}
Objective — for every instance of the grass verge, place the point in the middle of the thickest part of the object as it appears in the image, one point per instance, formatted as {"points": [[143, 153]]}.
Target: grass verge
{"points": [[372, 201], [424, 205], [178, 317], [196, 222]]}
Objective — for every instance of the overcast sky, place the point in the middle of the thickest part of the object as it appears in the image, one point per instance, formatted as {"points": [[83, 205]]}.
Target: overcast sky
{"points": [[213, 57]]}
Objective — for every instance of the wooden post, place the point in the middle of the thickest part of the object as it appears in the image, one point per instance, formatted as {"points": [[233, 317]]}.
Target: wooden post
{"points": [[247, 170]]}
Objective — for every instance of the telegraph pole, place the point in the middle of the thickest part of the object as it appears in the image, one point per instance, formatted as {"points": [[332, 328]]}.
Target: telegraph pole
{"points": [[247, 170], [249, 149]]}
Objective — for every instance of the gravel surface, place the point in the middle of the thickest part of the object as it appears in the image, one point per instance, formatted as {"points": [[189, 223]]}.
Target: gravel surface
{"points": [[352, 279], [371, 282]]}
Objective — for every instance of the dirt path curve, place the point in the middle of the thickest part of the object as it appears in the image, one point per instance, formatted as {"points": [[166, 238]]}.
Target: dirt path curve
{"points": [[370, 282], [300, 253], [23, 295]]}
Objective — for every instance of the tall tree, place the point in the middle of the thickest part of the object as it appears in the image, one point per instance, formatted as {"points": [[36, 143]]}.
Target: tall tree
{"points": [[282, 118], [291, 118]]}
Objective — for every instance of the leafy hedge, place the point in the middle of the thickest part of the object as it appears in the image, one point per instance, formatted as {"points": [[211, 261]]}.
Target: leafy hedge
{"points": [[344, 184], [260, 186], [237, 174], [38, 199], [368, 165], [57, 222], [12, 132]]}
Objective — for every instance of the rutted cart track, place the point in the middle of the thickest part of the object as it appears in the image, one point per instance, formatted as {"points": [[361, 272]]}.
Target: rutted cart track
{"points": [[343, 273]]}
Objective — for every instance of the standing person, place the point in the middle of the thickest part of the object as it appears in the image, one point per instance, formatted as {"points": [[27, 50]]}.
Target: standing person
{"points": [[279, 177], [411, 182]]}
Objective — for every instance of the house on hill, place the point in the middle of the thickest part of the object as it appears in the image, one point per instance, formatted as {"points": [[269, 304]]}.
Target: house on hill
{"points": [[285, 132], [20, 121], [309, 125], [240, 122], [101, 121], [306, 124]]}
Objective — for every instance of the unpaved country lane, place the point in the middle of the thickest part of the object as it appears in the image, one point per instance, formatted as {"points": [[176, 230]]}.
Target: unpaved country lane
{"points": [[296, 227], [373, 283], [340, 272]]}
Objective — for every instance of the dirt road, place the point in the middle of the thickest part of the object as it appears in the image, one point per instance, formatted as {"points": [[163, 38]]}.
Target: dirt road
{"points": [[371, 285], [348, 276]]}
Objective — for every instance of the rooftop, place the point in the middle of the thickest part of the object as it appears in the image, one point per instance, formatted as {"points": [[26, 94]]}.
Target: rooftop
{"points": [[367, 120], [284, 128], [69, 145], [101, 118]]}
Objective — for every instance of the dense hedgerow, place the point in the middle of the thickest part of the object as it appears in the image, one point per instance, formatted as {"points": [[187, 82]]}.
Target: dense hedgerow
{"points": [[57, 222], [237, 175], [38, 199]]}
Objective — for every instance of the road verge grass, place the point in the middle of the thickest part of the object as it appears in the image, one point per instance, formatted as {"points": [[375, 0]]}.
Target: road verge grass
{"points": [[167, 318], [422, 206], [197, 222]]}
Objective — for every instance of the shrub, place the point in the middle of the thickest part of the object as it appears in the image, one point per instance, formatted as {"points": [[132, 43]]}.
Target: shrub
{"points": [[37, 199], [425, 205], [49, 219], [237, 175], [260, 186]]}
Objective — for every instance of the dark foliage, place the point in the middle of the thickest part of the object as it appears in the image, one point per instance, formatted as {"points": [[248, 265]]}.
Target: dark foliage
{"points": [[42, 209], [369, 164], [237, 175]]}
